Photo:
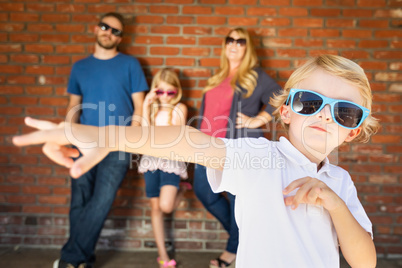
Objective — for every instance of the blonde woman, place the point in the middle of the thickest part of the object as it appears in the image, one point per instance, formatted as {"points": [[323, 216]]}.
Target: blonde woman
{"points": [[162, 176], [233, 107]]}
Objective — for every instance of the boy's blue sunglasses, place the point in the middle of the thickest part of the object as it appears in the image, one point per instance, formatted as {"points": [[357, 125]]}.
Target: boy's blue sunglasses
{"points": [[347, 114]]}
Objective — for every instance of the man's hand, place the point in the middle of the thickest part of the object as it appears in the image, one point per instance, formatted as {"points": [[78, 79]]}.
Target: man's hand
{"points": [[312, 191]]}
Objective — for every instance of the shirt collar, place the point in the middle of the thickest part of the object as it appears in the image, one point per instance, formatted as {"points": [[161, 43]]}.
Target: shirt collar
{"points": [[295, 156]]}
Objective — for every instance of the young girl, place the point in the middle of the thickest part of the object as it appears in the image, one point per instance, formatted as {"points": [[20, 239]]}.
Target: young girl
{"points": [[293, 208], [162, 176]]}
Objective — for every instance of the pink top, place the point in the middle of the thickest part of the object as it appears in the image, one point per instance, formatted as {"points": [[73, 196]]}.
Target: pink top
{"points": [[150, 163], [218, 102]]}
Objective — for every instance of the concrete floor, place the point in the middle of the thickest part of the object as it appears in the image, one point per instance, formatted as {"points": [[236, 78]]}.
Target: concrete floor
{"points": [[43, 258]]}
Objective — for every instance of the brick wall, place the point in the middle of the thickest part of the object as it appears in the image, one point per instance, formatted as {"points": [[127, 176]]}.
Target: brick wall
{"points": [[40, 40]]}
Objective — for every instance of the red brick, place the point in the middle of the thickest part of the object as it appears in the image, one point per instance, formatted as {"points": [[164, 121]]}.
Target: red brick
{"points": [[357, 13], [18, 199], [340, 23], [70, 28], [388, 34], [148, 40], [10, 69], [388, 55], [211, 62], [211, 20], [369, 23], [149, 19], [54, 38], [39, 90], [165, 29], [196, 10], [24, 58], [261, 11], [40, 27], [195, 51], [39, 48], [292, 32], [178, 40], [55, 18], [10, 48], [57, 200], [164, 9], [372, 3], [243, 21], [308, 22], [35, 190], [229, 10], [24, 100], [275, 22], [181, 19], [341, 43], [9, 7], [24, 17], [196, 30], [11, 27], [358, 54], [23, 37], [179, 62], [40, 7], [36, 209], [41, 70]]}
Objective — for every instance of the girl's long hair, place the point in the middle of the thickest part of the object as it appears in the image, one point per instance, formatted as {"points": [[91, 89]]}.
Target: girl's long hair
{"points": [[245, 76], [170, 77]]}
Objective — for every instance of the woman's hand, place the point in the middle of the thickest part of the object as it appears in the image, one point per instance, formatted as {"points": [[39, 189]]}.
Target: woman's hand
{"points": [[312, 191], [244, 121], [55, 137]]}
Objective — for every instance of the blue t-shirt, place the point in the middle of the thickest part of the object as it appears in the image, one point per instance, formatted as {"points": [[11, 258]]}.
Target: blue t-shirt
{"points": [[106, 87]]}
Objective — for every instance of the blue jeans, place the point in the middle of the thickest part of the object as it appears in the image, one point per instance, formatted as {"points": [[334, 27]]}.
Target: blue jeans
{"points": [[155, 180], [218, 205], [92, 196]]}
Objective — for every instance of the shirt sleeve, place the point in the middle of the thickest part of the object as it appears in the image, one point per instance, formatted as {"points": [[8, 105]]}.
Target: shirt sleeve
{"points": [[73, 84], [357, 210], [138, 81], [225, 180], [245, 158]]}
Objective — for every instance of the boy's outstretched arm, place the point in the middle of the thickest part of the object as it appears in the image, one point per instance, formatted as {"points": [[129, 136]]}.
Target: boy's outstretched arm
{"points": [[356, 244], [180, 143]]}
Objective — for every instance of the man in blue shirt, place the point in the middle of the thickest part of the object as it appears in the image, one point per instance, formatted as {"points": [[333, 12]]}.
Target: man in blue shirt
{"points": [[104, 89]]}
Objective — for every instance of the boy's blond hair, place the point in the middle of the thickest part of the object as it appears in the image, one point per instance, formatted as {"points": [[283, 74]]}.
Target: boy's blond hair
{"points": [[342, 68]]}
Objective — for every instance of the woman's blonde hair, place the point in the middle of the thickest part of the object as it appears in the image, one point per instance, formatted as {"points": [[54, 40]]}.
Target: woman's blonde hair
{"points": [[245, 76], [170, 77], [342, 68]]}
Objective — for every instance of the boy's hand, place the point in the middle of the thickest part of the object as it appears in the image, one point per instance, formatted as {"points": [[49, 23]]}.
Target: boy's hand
{"points": [[56, 136], [312, 191]]}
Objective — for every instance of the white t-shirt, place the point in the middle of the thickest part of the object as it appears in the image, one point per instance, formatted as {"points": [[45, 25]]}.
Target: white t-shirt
{"points": [[270, 233]]}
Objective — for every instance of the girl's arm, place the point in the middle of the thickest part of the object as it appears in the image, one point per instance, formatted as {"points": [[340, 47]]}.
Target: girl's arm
{"points": [[181, 143]]}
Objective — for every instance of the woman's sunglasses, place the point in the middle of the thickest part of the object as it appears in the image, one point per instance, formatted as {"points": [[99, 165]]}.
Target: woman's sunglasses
{"points": [[105, 27], [345, 113], [241, 42], [160, 92]]}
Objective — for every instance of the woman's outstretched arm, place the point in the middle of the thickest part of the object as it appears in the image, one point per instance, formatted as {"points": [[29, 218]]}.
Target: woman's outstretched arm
{"points": [[181, 143]]}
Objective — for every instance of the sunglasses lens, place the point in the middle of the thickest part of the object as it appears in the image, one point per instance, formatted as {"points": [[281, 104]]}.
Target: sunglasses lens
{"points": [[105, 27], [306, 102], [116, 32], [241, 42], [171, 93], [348, 114], [229, 40]]}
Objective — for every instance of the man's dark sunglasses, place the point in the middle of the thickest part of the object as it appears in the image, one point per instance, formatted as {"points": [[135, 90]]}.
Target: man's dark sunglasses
{"points": [[240, 42], [105, 27]]}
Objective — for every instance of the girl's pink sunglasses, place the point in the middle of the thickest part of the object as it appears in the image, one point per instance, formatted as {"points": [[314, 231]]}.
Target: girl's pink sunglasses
{"points": [[160, 92]]}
